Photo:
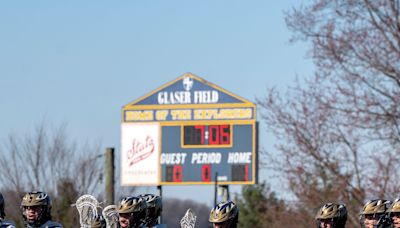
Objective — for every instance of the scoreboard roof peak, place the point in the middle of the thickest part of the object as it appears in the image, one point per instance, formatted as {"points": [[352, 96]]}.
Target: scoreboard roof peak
{"points": [[189, 90]]}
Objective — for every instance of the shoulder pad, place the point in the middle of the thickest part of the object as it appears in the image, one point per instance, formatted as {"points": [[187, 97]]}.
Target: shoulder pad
{"points": [[6, 224], [51, 224]]}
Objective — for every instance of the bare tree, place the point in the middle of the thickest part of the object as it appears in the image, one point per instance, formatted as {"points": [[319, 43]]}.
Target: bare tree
{"points": [[318, 155], [39, 161], [338, 132], [356, 48]]}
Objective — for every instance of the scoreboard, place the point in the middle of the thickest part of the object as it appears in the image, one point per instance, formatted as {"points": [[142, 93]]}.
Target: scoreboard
{"points": [[189, 131]]}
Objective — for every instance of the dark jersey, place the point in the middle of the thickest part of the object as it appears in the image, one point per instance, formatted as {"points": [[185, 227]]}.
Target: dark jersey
{"points": [[6, 224], [48, 224]]}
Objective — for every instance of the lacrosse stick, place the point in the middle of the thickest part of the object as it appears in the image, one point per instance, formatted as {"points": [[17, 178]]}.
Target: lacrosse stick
{"points": [[111, 216], [189, 220], [87, 207]]}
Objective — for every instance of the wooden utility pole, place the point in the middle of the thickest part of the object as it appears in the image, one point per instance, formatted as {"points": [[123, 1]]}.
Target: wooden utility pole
{"points": [[109, 175]]}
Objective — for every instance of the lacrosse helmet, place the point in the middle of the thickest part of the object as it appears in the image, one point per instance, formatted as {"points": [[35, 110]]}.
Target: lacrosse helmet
{"points": [[154, 207], [134, 206], [375, 209], [225, 212], [40, 200], [334, 213], [395, 206]]}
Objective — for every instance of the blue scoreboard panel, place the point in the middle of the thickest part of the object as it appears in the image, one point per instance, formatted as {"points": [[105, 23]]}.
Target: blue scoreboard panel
{"points": [[195, 153]]}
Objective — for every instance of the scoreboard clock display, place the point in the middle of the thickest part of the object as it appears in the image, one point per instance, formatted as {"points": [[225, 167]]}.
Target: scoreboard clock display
{"points": [[207, 135], [197, 153]]}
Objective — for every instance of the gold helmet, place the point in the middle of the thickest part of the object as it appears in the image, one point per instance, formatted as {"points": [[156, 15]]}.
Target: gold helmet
{"points": [[35, 199], [337, 213], [130, 205], [225, 211], [377, 206], [395, 206], [331, 210]]}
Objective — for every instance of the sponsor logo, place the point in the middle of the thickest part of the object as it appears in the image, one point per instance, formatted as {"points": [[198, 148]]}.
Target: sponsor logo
{"points": [[140, 150]]}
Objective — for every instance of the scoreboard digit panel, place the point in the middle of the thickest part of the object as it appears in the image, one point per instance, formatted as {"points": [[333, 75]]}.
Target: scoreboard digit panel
{"points": [[216, 135], [188, 156]]}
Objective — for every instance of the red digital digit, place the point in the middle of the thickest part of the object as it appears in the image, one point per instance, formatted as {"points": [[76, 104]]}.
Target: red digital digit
{"points": [[213, 135], [225, 134], [177, 173], [201, 128], [246, 173], [206, 173]]}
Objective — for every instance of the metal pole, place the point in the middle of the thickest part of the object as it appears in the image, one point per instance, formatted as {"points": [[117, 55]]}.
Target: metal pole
{"points": [[109, 175], [216, 189], [257, 146], [159, 188]]}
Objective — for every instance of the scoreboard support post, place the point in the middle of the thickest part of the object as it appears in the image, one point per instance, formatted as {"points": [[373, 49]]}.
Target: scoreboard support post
{"points": [[159, 189], [216, 189], [224, 190]]}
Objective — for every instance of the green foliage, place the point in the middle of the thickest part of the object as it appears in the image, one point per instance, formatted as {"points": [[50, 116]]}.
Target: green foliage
{"points": [[252, 205], [260, 207]]}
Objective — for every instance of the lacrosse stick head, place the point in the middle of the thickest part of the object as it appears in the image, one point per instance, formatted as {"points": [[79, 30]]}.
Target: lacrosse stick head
{"points": [[87, 208], [189, 219], [110, 214]]}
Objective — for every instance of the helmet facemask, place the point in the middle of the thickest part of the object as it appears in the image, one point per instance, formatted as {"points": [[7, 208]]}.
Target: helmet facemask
{"points": [[134, 218]]}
